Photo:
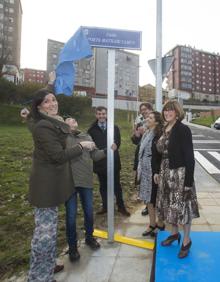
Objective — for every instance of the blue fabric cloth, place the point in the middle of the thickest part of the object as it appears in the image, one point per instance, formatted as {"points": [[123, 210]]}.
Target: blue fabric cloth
{"points": [[76, 48]]}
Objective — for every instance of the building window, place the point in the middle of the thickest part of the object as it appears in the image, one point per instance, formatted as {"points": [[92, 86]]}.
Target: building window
{"points": [[1, 16], [10, 19], [11, 10], [204, 89], [12, 1], [186, 85], [10, 29], [10, 58], [1, 6]]}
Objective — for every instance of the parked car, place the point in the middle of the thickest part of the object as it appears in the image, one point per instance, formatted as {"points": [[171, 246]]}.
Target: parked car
{"points": [[217, 124]]}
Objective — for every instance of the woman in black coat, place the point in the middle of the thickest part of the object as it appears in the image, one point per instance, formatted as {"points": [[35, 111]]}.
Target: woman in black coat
{"points": [[149, 164], [177, 202]]}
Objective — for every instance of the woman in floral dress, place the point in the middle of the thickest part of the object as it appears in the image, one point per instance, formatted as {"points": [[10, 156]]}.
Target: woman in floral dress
{"points": [[177, 202]]}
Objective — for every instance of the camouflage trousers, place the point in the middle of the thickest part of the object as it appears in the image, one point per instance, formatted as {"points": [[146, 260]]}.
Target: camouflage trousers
{"points": [[43, 245]]}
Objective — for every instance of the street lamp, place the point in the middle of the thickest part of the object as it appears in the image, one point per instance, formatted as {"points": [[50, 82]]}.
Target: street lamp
{"points": [[159, 57]]}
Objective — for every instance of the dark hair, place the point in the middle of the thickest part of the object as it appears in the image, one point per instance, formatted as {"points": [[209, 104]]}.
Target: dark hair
{"points": [[160, 123], [147, 105], [100, 108], [174, 106], [37, 100]]}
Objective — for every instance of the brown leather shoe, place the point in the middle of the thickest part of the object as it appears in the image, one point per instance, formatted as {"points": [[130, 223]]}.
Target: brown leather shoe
{"points": [[184, 251], [169, 240], [58, 268]]}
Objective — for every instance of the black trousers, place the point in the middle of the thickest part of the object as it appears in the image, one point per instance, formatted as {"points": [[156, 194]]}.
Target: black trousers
{"points": [[117, 189]]}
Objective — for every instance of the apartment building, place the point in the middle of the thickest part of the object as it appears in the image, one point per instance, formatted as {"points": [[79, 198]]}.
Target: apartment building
{"points": [[34, 76], [196, 72], [91, 73], [10, 36]]}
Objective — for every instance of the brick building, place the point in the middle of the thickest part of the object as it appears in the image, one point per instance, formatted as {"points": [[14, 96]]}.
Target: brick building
{"points": [[35, 76], [196, 72]]}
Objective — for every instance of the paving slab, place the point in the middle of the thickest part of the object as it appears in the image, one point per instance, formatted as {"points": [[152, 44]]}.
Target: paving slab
{"points": [[131, 269]]}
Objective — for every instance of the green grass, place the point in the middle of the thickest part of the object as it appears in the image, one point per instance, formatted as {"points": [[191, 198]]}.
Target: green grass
{"points": [[9, 114], [16, 215], [206, 121]]}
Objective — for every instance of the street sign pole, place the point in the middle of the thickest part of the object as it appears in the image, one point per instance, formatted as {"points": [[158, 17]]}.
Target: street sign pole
{"points": [[110, 141], [111, 39], [159, 57]]}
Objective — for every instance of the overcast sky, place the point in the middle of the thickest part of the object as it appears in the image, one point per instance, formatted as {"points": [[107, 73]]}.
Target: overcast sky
{"points": [[191, 22]]}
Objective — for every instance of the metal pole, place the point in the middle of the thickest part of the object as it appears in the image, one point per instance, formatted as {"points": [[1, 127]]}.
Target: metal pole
{"points": [[110, 141], [159, 57]]}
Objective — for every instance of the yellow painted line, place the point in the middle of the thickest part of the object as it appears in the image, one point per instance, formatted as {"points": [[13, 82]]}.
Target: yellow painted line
{"points": [[122, 239]]}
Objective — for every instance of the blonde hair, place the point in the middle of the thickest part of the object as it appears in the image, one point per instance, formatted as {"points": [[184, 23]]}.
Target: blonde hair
{"points": [[174, 105]]}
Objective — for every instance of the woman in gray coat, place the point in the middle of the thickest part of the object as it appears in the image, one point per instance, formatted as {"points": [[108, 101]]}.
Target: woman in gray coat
{"points": [[51, 182]]}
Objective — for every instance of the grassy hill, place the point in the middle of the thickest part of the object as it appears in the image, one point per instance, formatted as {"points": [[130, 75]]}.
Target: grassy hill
{"points": [[16, 215]]}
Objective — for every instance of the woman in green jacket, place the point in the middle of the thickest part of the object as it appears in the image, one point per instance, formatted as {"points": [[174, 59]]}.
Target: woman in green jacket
{"points": [[51, 182]]}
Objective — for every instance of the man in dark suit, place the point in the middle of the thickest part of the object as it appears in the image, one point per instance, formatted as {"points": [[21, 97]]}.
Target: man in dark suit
{"points": [[98, 132]]}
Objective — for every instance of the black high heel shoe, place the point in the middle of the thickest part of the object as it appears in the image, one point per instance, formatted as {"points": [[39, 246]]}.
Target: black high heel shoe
{"points": [[184, 251], [171, 239], [150, 231]]}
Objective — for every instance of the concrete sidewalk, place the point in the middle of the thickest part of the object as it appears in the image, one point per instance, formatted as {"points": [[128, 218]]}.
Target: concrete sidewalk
{"points": [[118, 262], [113, 261]]}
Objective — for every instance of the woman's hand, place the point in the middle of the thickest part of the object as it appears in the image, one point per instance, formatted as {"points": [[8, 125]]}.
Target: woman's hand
{"points": [[187, 193], [89, 145], [24, 113], [156, 178], [114, 147]]}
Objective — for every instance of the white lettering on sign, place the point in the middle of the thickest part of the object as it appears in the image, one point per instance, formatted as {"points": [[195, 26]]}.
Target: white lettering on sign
{"points": [[111, 34]]}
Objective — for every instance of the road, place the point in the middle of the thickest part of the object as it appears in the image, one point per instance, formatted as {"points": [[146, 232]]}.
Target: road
{"points": [[207, 149]]}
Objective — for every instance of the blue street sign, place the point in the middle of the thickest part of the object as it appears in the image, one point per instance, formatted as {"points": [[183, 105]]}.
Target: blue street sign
{"points": [[113, 38]]}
